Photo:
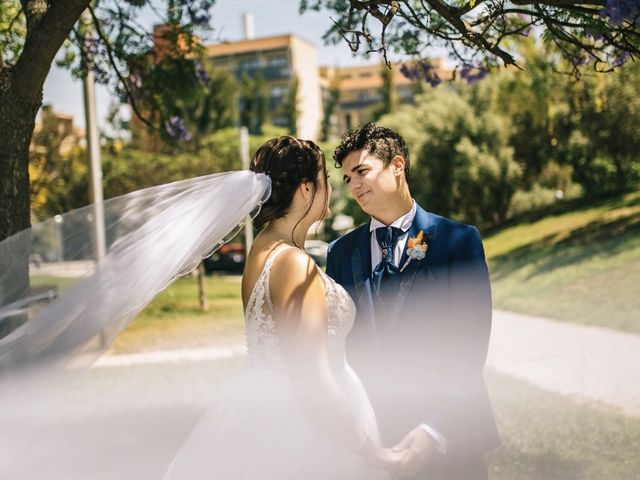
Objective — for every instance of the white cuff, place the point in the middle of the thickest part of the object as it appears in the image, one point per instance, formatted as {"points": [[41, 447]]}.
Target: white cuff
{"points": [[441, 441]]}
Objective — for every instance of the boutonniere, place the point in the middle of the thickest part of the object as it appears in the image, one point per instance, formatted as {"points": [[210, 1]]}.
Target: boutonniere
{"points": [[416, 248]]}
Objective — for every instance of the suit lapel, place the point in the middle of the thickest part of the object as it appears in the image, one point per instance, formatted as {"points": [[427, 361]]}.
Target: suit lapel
{"points": [[361, 269], [422, 221]]}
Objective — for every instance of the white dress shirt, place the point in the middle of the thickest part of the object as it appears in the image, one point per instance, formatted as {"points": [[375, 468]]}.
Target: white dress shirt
{"points": [[404, 223]]}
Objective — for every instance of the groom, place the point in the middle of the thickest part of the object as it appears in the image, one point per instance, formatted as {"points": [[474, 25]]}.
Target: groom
{"points": [[423, 298]]}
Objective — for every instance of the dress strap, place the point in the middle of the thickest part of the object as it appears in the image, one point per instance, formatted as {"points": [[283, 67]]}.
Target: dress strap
{"points": [[271, 258], [267, 270]]}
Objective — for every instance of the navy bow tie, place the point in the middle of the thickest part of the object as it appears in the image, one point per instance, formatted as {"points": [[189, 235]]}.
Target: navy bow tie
{"points": [[384, 275]]}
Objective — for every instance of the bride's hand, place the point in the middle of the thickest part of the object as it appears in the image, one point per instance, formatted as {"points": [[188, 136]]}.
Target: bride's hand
{"points": [[384, 458]]}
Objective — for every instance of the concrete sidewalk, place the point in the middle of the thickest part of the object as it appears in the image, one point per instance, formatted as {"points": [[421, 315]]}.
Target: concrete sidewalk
{"points": [[170, 356], [584, 362]]}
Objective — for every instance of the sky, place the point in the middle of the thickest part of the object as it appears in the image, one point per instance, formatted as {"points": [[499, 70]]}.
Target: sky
{"points": [[271, 17]]}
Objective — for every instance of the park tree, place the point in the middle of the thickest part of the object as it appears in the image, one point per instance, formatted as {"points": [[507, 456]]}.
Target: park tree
{"points": [[58, 168], [601, 33], [530, 101], [330, 102], [598, 132], [290, 106], [108, 40], [388, 97], [461, 162], [192, 111], [478, 33], [103, 37], [254, 102]]}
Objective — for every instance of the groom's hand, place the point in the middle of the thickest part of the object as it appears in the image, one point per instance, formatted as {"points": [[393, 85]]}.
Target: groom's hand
{"points": [[416, 449]]}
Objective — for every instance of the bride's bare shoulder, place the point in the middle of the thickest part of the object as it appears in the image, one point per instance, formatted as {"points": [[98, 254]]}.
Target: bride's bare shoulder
{"points": [[294, 272]]}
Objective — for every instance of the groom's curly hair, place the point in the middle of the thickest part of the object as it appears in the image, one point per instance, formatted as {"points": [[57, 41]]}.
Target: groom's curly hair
{"points": [[289, 161], [383, 142]]}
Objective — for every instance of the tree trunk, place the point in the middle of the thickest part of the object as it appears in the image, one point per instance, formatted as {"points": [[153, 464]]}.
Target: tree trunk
{"points": [[202, 294], [621, 178], [48, 25], [17, 119]]}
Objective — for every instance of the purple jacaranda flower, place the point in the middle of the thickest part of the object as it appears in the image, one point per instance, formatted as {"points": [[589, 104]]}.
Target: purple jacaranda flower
{"points": [[409, 73], [176, 129], [406, 72], [620, 10], [422, 70], [429, 74], [201, 17], [473, 73], [619, 59], [201, 73], [433, 79]]}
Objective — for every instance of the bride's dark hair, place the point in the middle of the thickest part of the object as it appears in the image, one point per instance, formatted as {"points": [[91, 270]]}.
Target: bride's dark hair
{"points": [[289, 162]]}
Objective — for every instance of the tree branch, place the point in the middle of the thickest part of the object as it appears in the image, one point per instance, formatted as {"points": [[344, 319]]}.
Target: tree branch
{"points": [[560, 3], [34, 12], [475, 39], [14, 19], [42, 45], [112, 61]]}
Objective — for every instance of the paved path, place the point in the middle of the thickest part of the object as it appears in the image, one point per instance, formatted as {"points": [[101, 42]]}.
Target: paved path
{"points": [[171, 356], [589, 363]]}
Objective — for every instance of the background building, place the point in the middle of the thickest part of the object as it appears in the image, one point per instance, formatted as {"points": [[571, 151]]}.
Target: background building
{"points": [[280, 62], [360, 89], [278, 81]]}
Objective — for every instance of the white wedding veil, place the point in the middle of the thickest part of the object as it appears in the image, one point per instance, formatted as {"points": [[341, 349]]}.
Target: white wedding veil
{"points": [[152, 235], [61, 323]]}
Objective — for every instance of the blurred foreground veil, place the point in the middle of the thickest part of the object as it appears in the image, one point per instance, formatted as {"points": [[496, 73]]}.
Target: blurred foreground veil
{"points": [[64, 309]]}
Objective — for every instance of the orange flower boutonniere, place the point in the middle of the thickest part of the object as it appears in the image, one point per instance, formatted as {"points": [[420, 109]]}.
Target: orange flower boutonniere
{"points": [[416, 248]]}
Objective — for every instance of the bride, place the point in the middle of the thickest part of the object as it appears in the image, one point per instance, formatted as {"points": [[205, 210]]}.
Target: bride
{"points": [[297, 410]]}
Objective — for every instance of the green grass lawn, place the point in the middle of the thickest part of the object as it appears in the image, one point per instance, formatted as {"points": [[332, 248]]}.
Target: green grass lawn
{"points": [[174, 319], [61, 283], [581, 266], [549, 437]]}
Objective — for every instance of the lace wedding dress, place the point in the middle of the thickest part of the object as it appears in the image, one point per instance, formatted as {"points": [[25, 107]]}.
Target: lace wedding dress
{"points": [[261, 431]]}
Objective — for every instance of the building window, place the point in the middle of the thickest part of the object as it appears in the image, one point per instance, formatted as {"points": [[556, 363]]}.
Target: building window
{"points": [[277, 92], [278, 61], [368, 96], [249, 64]]}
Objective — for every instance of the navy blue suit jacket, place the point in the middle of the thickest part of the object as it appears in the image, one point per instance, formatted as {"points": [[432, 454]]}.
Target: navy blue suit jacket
{"points": [[425, 364]]}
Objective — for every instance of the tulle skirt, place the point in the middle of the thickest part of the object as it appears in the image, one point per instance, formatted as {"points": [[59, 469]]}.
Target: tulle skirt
{"points": [[260, 431]]}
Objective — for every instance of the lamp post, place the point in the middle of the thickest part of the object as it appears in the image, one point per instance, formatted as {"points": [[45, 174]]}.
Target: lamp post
{"points": [[95, 164], [244, 155], [58, 237], [93, 150]]}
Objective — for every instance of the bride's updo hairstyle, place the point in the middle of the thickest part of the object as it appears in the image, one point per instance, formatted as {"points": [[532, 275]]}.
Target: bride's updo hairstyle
{"points": [[289, 162]]}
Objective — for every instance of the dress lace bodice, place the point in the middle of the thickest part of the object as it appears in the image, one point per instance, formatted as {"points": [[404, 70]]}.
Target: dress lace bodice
{"points": [[263, 343]]}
